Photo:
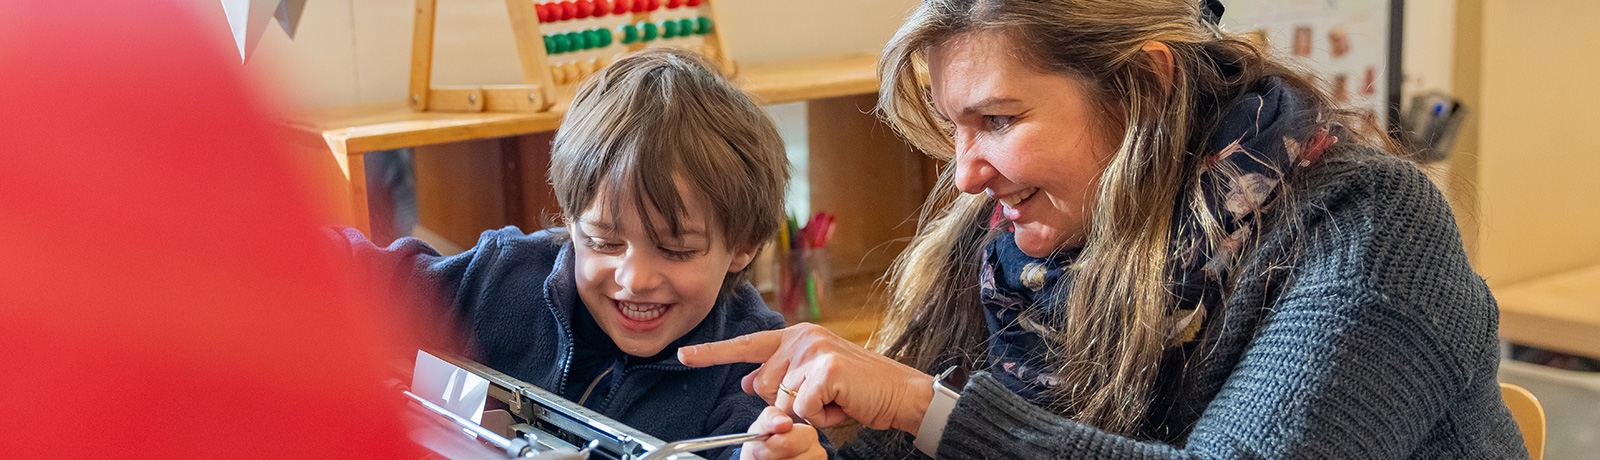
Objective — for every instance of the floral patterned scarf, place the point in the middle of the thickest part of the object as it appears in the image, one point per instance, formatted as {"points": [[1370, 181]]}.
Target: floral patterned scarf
{"points": [[1265, 135]]}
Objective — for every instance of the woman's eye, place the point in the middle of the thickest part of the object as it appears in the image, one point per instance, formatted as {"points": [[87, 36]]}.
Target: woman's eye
{"points": [[998, 122]]}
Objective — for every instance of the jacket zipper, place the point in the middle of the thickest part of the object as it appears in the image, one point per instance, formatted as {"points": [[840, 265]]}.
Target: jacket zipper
{"points": [[566, 361]]}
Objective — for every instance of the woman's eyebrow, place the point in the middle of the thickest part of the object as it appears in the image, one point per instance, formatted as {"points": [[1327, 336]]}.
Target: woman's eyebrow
{"points": [[989, 103]]}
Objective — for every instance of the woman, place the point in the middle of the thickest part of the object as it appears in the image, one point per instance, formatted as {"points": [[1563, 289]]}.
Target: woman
{"points": [[1170, 245]]}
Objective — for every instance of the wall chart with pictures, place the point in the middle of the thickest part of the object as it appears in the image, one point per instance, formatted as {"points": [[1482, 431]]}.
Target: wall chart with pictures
{"points": [[1352, 44]]}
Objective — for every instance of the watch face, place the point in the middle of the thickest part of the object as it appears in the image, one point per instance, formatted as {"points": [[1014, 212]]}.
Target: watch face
{"points": [[954, 378]]}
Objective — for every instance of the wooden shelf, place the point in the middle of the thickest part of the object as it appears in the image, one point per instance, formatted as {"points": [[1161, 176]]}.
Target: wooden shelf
{"points": [[391, 125], [1560, 312]]}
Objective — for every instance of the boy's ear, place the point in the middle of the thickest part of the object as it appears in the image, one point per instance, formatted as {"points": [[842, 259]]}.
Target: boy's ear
{"points": [[742, 258]]}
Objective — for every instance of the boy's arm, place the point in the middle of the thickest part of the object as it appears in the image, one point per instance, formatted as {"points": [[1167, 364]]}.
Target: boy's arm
{"points": [[426, 284]]}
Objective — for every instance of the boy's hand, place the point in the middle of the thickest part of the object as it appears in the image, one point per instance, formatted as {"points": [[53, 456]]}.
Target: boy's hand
{"points": [[788, 440]]}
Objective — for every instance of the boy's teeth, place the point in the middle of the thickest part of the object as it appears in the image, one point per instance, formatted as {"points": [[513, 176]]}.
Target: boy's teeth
{"points": [[642, 311]]}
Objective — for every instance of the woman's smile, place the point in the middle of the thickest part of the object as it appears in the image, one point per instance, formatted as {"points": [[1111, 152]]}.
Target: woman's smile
{"points": [[1011, 204]]}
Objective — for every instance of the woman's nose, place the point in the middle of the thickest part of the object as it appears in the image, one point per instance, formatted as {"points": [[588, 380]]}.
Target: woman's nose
{"points": [[973, 172], [638, 273]]}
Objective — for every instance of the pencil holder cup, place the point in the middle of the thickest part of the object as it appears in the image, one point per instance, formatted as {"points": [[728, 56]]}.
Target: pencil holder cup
{"points": [[818, 284]]}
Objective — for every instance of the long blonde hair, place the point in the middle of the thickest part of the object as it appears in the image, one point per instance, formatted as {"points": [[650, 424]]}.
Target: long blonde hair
{"points": [[1107, 342]]}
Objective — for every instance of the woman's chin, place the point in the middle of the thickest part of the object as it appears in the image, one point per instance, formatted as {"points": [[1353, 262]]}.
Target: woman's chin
{"points": [[1039, 241]]}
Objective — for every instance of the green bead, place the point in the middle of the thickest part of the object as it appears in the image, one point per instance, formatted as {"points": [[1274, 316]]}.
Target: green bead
{"points": [[549, 45], [685, 27], [594, 38], [563, 43], [630, 33], [579, 41], [704, 25], [649, 30], [669, 28], [605, 37]]}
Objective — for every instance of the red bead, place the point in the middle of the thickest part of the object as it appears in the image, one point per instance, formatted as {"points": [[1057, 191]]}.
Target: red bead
{"points": [[652, 5], [544, 13], [692, 3], [569, 10], [622, 6], [640, 6], [585, 8], [601, 8], [674, 3]]}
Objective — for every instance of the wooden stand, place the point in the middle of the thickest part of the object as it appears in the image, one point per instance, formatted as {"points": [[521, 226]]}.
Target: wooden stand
{"points": [[544, 84]]}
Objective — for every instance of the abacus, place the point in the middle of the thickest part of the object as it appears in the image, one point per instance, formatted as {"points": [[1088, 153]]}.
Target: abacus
{"points": [[594, 39]]}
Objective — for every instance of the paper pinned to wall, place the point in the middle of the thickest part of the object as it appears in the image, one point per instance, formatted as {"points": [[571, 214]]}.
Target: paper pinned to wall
{"points": [[248, 20], [1348, 44], [288, 15]]}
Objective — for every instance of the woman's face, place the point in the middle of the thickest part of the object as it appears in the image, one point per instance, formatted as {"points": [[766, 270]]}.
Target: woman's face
{"points": [[1034, 141]]}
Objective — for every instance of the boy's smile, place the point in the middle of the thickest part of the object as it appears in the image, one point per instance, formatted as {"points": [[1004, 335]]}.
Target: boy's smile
{"points": [[647, 294]]}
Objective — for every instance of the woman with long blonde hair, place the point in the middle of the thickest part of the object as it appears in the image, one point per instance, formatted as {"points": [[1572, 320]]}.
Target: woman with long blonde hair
{"points": [[1169, 244]]}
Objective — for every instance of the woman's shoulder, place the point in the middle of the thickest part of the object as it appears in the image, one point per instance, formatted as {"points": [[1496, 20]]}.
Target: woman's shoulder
{"points": [[1347, 170], [1372, 221], [1371, 190]]}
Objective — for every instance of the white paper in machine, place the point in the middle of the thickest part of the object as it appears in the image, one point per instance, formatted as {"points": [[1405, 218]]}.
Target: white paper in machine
{"points": [[447, 416]]}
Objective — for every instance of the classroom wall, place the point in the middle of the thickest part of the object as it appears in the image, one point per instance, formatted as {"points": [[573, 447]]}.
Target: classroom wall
{"points": [[359, 51], [1529, 67], [1428, 48]]}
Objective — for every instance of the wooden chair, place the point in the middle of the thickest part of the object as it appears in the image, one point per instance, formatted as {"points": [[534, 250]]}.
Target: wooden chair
{"points": [[1525, 409]]}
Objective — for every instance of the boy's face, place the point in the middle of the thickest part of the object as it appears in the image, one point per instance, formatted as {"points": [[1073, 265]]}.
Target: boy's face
{"points": [[646, 295]]}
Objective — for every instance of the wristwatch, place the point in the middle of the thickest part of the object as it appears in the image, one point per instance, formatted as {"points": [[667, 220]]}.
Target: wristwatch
{"points": [[939, 408]]}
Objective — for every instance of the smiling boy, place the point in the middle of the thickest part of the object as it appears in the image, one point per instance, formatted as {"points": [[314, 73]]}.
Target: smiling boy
{"points": [[669, 179]]}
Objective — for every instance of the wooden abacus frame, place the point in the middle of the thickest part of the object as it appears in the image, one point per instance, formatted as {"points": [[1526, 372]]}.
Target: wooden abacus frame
{"points": [[540, 90]]}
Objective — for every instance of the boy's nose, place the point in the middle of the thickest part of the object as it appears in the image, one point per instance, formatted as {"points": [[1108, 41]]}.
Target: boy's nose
{"points": [[638, 274]]}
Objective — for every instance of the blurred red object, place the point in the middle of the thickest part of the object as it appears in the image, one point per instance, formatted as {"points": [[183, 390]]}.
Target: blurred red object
{"points": [[165, 288]]}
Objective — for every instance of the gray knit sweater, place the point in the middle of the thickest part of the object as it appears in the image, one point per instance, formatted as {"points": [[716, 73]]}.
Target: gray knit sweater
{"points": [[1377, 340]]}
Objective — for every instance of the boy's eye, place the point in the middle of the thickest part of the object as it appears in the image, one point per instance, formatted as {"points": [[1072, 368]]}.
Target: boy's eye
{"points": [[679, 255], [601, 246]]}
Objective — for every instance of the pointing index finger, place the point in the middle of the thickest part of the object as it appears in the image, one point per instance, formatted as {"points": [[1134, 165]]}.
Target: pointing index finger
{"points": [[750, 348]]}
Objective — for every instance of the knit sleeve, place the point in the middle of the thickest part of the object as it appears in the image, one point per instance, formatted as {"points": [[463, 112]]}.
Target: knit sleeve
{"points": [[1380, 346]]}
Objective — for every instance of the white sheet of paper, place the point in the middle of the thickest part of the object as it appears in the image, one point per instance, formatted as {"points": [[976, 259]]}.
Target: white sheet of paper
{"points": [[462, 392]]}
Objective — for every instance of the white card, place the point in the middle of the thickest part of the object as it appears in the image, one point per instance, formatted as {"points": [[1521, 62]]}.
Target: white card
{"points": [[457, 390]]}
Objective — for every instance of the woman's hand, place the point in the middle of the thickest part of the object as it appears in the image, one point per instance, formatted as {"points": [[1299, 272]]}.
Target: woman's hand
{"points": [[788, 440], [824, 378]]}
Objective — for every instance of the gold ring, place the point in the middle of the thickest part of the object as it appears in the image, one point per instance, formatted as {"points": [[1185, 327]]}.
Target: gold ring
{"points": [[785, 389]]}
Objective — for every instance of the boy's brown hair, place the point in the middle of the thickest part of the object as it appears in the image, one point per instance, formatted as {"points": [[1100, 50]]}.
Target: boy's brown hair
{"points": [[661, 115]]}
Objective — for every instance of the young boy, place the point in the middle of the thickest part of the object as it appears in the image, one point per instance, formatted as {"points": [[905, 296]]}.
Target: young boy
{"points": [[669, 180]]}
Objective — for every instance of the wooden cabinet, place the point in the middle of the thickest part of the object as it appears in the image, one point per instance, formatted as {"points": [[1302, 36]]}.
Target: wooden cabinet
{"points": [[479, 171]]}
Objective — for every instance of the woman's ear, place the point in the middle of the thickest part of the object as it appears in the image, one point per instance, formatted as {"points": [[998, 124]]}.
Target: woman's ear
{"points": [[1161, 59], [742, 258]]}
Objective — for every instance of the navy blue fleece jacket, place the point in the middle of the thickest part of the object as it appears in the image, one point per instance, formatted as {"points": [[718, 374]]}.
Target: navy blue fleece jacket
{"points": [[514, 297]]}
